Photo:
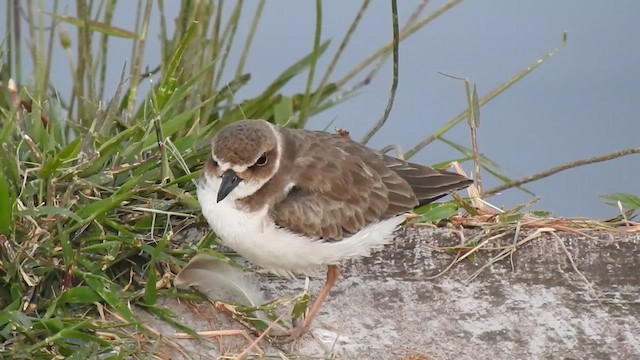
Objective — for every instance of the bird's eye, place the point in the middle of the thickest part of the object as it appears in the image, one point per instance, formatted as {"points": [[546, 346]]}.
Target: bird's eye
{"points": [[262, 160]]}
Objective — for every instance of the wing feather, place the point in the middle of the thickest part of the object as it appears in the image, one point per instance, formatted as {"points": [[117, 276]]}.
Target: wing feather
{"points": [[340, 186]]}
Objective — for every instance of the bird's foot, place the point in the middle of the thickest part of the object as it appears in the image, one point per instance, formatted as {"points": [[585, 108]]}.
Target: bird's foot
{"points": [[293, 333]]}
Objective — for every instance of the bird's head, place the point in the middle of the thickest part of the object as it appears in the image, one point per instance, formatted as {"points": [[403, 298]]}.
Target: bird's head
{"points": [[245, 155]]}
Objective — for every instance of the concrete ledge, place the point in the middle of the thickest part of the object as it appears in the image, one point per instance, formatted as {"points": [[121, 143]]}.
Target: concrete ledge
{"points": [[540, 308], [386, 307]]}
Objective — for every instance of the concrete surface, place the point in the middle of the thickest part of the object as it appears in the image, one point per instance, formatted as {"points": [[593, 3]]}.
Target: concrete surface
{"points": [[534, 305]]}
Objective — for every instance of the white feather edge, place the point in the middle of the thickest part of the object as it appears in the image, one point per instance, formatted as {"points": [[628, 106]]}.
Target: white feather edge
{"points": [[220, 281]]}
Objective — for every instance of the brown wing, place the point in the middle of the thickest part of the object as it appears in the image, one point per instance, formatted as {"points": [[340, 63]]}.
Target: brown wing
{"points": [[341, 186], [428, 184]]}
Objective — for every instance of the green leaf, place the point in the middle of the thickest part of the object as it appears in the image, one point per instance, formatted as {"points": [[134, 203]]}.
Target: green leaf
{"points": [[68, 252], [441, 211], [234, 85], [175, 123], [54, 162], [97, 26], [6, 206], [49, 210], [53, 324], [627, 200], [300, 306], [110, 293], [283, 110], [101, 207], [8, 123], [67, 334], [168, 84], [90, 350], [110, 147], [541, 213], [182, 196], [6, 313], [9, 163], [186, 89], [79, 295], [150, 291], [21, 319], [119, 139]]}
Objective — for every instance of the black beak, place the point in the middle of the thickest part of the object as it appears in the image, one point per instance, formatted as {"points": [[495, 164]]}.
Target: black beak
{"points": [[229, 182]]}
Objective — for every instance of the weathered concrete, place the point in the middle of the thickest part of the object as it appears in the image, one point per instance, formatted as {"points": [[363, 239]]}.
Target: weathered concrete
{"points": [[533, 305]]}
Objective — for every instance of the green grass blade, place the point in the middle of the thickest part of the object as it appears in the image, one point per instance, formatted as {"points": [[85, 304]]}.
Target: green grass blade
{"points": [[101, 207], [627, 200], [438, 211], [97, 26], [283, 110], [169, 81], [6, 206], [150, 291], [79, 295], [110, 293], [49, 210], [69, 151], [292, 71]]}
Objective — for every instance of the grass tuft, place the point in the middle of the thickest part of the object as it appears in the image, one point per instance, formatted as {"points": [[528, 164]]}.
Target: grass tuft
{"points": [[97, 190]]}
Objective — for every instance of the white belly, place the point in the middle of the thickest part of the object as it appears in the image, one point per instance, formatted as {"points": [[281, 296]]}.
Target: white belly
{"points": [[255, 237]]}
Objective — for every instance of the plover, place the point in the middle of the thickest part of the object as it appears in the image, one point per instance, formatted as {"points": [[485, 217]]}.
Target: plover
{"points": [[291, 201]]}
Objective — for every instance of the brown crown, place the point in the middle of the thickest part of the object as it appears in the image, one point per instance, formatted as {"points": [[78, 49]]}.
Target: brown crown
{"points": [[242, 142]]}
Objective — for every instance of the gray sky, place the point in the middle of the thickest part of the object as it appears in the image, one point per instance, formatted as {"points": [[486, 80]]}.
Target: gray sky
{"points": [[581, 103]]}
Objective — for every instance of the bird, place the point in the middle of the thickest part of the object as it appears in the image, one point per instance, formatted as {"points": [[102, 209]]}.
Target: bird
{"points": [[293, 200]]}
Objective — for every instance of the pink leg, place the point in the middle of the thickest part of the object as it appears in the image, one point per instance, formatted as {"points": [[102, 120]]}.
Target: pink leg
{"points": [[333, 272]]}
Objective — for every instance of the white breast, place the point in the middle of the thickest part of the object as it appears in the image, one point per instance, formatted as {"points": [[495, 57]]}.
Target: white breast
{"points": [[255, 236]]}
